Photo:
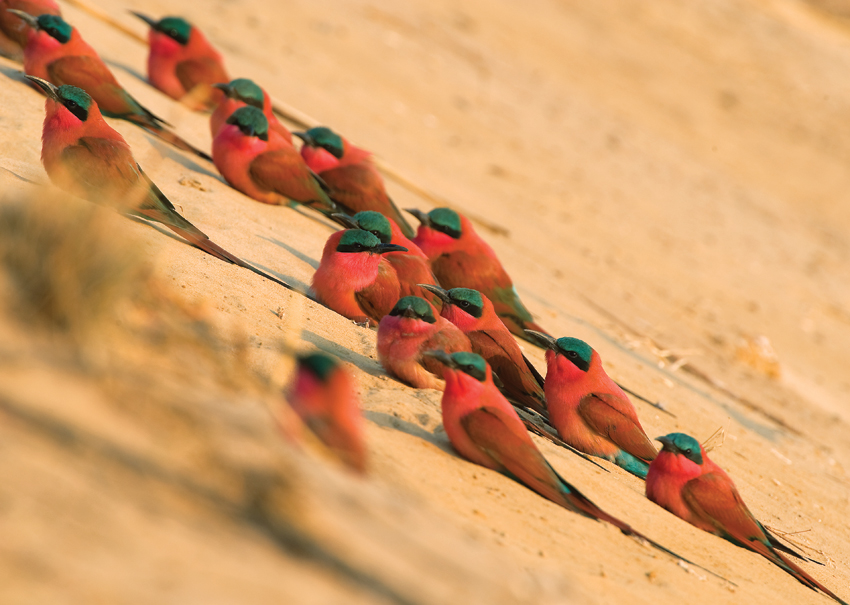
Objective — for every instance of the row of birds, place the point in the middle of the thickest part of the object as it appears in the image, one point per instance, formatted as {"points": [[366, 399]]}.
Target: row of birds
{"points": [[445, 308]]}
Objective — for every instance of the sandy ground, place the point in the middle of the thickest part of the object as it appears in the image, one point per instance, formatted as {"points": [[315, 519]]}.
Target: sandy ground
{"points": [[672, 178]]}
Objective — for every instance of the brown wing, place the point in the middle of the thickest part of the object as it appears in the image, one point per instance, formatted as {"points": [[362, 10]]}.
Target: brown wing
{"points": [[285, 172], [104, 168], [600, 412], [714, 499], [463, 270], [448, 340], [378, 298], [509, 444], [204, 70]]}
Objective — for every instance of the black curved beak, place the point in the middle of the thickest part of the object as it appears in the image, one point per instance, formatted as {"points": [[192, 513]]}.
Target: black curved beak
{"points": [[443, 357], [49, 89], [28, 18], [384, 248], [345, 220], [225, 88], [442, 294], [145, 18], [544, 340], [308, 140], [421, 216], [667, 443]]}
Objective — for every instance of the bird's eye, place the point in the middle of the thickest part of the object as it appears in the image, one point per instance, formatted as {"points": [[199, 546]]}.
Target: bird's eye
{"points": [[572, 354], [172, 33], [464, 304], [71, 104], [687, 452], [376, 234]]}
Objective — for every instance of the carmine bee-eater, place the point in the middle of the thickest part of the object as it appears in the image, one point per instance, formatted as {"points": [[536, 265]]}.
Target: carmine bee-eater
{"points": [[13, 30], [354, 278], [461, 259], [412, 266], [56, 52], [355, 183], [182, 63], [486, 430], [683, 480], [241, 92], [473, 313], [588, 409], [322, 393], [263, 165], [84, 156], [410, 330]]}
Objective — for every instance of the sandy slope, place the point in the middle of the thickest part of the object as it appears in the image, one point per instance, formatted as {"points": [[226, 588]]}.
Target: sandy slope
{"points": [[672, 176]]}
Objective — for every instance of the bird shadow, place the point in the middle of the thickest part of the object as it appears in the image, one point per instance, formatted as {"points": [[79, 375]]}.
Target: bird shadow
{"points": [[297, 284], [13, 73], [365, 363], [415, 430], [296, 253], [167, 151], [21, 178], [129, 70]]}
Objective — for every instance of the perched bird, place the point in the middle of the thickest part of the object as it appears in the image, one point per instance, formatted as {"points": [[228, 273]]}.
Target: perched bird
{"points": [[484, 428], [683, 480], [407, 332], [473, 313], [55, 51], [84, 156], [263, 165], [461, 259], [354, 182], [241, 92], [13, 30], [182, 63], [412, 266], [354, 278], [588, 409], [322, 393]]}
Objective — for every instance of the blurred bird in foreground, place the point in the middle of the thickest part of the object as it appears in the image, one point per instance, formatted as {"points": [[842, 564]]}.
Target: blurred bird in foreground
{"points": [[683, 480], [86, 157], [589, 410], [322, 393]]}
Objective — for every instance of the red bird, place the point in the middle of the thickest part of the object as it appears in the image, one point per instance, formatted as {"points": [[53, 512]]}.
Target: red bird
{"points": [[484, 428], [683, 480], [461, 259], [354, 278], [412, 266], [407, 333], [56, 52], [13, 30], [239, 93], [473, 313], [263, 165], [84, 156], [354, 182], [589, 410], [322, 393], [182, 63]]}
